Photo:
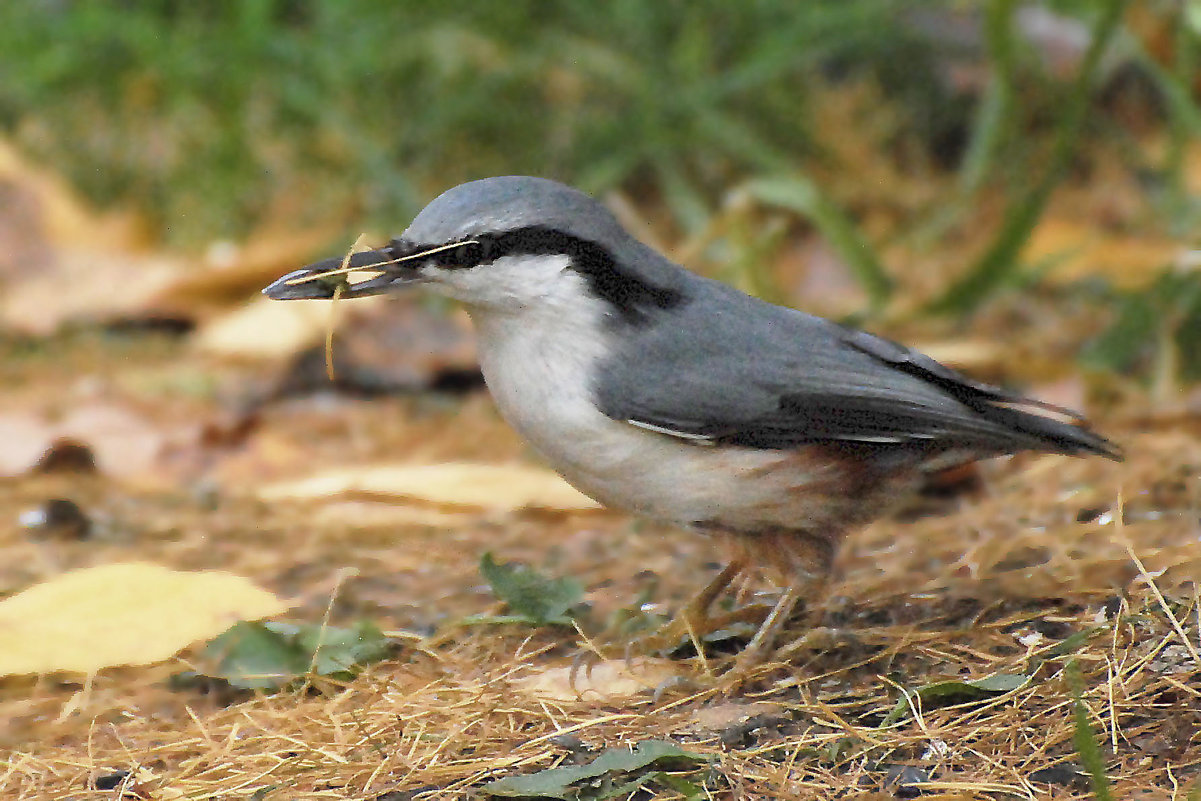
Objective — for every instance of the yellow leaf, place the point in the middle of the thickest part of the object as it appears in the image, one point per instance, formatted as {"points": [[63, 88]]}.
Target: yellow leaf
{"points": [[1080, 249], [381, 514], [497, 488], [604, 681], [122, 614], [268, 329]]}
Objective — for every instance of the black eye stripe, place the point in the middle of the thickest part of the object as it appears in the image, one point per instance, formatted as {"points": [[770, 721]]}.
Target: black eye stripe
{"points": [[629, 294], [466, 255]]}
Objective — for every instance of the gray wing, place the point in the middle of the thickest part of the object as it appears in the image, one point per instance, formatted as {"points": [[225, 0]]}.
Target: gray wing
{"points": [[727, 367]]}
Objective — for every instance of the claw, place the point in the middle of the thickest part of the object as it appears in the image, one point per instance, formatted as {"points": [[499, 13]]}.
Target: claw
{"points": [[584, 659], [818, 638]]}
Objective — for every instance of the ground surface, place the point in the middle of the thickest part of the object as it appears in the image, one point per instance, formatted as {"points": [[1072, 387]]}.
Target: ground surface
{"points": [[1001, 645], [1025, 577]]}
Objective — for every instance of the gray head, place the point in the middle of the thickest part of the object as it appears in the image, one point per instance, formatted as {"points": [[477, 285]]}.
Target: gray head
{"points": [[511, 242], [510, 203]]}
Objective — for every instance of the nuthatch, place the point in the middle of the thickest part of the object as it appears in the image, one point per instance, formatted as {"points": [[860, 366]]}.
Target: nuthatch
{"points": [[679, 398]]}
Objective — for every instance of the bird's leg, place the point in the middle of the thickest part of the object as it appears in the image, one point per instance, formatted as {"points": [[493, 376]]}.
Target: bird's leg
{"points": [[760, 646], [804, 562], [696, 612], [693, 620]]}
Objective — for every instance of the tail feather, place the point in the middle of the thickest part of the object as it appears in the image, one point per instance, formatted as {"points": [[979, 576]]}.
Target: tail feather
{"points": [[1040, 426]]}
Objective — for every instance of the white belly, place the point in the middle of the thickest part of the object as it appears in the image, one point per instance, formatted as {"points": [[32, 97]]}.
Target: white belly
{"points": [[540, 377]]}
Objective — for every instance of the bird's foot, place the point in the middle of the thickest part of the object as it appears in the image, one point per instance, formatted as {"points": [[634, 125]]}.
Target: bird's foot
{"points": [[761, 660], [693, 623], [762, 644], [699, 630], [818, 638]]}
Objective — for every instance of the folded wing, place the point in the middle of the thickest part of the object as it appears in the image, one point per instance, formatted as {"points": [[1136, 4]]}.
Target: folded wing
{"points": [[734, 369]]}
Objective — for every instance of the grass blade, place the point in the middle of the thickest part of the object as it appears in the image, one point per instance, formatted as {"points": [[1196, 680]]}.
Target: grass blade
{"points": [[1085, 738], [996, 107], [800, 194], [999, 262]]}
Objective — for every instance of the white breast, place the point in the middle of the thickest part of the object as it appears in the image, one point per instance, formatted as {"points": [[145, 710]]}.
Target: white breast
{"points": [[539, 359]]}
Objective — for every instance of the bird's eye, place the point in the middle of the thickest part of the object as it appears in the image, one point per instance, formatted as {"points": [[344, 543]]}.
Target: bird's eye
{"points": [[472, 253], [488, 248], [466, 255]]}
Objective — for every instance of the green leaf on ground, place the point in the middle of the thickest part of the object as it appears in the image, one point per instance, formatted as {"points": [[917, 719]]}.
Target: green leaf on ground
{"points": [[946, 693], [267, 656], [606, 771], [532, 597]]}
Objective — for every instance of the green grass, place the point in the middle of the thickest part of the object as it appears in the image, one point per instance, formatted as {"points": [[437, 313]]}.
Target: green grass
{"points": [[206, 114], [211, 118]]}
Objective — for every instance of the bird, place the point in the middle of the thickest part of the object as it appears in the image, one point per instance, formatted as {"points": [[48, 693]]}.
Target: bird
{"points": [[679, 398]]}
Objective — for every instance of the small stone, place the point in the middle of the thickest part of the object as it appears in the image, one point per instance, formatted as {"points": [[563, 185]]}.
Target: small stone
{"points": [[57, 517], [904, 780], [66, 455], [108, 781], [1064, 774]]}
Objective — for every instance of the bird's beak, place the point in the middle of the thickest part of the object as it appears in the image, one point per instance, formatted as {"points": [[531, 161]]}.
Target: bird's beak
{"points": [[321, 280]]}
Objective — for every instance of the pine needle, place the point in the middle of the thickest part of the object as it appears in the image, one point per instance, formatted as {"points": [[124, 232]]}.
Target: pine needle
{"points": [[330, 373]]}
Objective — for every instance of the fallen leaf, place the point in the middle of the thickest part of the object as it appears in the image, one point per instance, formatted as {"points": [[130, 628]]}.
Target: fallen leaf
{"points": [[122, 442], [232, 271], [719, 717], [380, 344], [558, 782], [944, 693], [268, 329], [266, 455], [84, 265], [376, 514], [532, 597], [400, 344], [610, 680], [23, 440], [65, 217], [121, 614], [497, 488], [21, 232], [85, 284], [266, 656]]}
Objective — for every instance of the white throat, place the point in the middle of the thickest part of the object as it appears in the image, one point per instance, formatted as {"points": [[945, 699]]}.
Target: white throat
{"points": [[541, 335], [513, 284]]}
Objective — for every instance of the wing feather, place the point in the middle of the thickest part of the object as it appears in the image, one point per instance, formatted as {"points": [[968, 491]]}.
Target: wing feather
{"points": [[735, 369]]}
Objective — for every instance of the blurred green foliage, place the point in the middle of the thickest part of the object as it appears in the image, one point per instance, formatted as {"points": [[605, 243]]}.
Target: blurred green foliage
{"points": [[211, 117], [1154, 333], [208, 112]]}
